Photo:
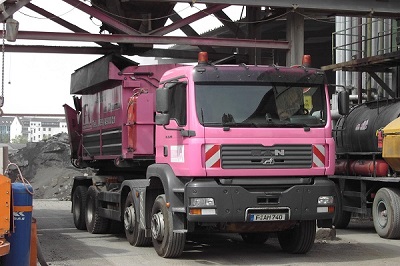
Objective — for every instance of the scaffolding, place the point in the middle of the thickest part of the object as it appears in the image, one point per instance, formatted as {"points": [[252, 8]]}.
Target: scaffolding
{"points": [[365, 56]]}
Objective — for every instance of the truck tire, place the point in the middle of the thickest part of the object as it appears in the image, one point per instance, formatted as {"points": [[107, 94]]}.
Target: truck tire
{"points": [[254, 238], [386, 213], [78, 207], [341, 219], [94, 223], [300, 239], [134, 235], [166, 242]]}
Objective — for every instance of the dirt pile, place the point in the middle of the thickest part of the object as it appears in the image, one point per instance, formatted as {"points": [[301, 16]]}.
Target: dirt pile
{"points": [[46, 165]]}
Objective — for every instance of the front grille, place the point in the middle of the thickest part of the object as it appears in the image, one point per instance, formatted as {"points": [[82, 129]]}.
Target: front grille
{"points": [[262, 157]]}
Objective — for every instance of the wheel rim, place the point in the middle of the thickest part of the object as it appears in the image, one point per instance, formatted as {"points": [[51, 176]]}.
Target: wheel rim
{"points": [[157, 226], [129, 218], [382, 214]]}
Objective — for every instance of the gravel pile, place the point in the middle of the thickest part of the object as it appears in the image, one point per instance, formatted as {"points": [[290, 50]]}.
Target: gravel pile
{"points": [[46, 165]]}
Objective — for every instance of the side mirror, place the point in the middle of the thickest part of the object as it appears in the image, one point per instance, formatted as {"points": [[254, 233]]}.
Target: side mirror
{"points": [[343, 102], [162, 119], [162, 100]]}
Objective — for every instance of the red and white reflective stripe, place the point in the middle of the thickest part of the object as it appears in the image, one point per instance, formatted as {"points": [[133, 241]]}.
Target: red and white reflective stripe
{"points": [[213, 156], [318, 156]]}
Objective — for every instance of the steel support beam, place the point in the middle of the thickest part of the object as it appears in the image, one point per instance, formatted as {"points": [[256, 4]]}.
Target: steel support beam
{"points": [[193, 55], [374, 8], [180, 54], [63, 22], [59, 49], [189, 31], [197, 16], [382, 84], [103, 17], [120, 38], [228, 23], [34, 115], [54, 18]]}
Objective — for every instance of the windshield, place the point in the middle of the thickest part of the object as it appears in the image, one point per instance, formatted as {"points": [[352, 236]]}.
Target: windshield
{"points": [[266, 105]]}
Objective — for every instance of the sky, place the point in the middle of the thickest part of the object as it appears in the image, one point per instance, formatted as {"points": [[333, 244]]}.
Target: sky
{"points": [[39, 83]]}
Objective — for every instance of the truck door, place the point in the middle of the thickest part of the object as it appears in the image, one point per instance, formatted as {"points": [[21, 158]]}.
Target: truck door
{"points": [[171, 144]]}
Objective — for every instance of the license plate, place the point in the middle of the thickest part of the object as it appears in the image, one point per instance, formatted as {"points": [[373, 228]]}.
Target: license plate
{"points": [[261, 217]]}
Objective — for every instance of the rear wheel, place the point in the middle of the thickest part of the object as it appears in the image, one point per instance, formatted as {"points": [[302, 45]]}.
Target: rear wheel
{"points": [[341, 218], [300, 239], [79, 207], [95, 224], [166, 242], [386, 212], [134, 235], [254, 238]]}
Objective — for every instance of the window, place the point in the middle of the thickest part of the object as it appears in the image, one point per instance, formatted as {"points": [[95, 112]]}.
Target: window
{"points": [[177, 103], [266, 105]]}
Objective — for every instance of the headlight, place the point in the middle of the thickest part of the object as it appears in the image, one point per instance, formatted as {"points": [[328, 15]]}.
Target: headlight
{"points": [[201, 202], [325, 200]]}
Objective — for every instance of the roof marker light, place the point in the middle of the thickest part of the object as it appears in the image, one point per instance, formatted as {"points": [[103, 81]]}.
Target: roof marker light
{"points": [[306, 62], [202, 58]]}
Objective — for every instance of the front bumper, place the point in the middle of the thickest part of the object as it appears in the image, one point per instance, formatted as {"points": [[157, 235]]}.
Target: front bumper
{"points": [[236, 203]]}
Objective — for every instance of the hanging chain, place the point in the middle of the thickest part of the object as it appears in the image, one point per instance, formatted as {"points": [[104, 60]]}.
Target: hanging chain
{"points": [[2, 67]]}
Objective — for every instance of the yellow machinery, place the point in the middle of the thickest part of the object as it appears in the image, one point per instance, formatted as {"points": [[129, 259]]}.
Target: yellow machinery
{"points": [[391, 144]]}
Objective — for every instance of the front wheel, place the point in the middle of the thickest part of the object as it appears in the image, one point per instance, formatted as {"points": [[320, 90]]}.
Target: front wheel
{"points": [[300, 239], [386, 212], [134, 235], [95, 224], [341, 218], [166, 242]]}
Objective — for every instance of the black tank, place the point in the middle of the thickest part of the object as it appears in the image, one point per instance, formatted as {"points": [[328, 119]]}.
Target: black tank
{"points": [[356, 132]]}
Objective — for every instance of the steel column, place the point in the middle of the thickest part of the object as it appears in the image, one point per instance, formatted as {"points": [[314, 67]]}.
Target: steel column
{"points": [[295, 37]]}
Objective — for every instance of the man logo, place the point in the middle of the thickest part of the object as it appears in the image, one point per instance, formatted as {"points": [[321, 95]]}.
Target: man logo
{"points": [[279, 152], [268, 161]]}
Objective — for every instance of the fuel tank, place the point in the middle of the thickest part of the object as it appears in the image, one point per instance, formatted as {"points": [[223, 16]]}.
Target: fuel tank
{"points": [[356, 132], [362, 167]]}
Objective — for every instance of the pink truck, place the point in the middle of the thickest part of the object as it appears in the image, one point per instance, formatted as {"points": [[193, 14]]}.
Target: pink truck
{"points": [[180, 149]]}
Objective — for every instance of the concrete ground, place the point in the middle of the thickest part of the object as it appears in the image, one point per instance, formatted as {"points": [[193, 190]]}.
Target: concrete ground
{"points": [[62, 244]]}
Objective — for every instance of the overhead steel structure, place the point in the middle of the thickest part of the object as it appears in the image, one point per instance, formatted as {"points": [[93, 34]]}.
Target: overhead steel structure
{"points": [[134, 27]]}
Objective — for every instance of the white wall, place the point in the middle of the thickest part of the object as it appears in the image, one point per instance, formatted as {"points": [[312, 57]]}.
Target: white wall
{"points": [[37, 132], [15, 129]]}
